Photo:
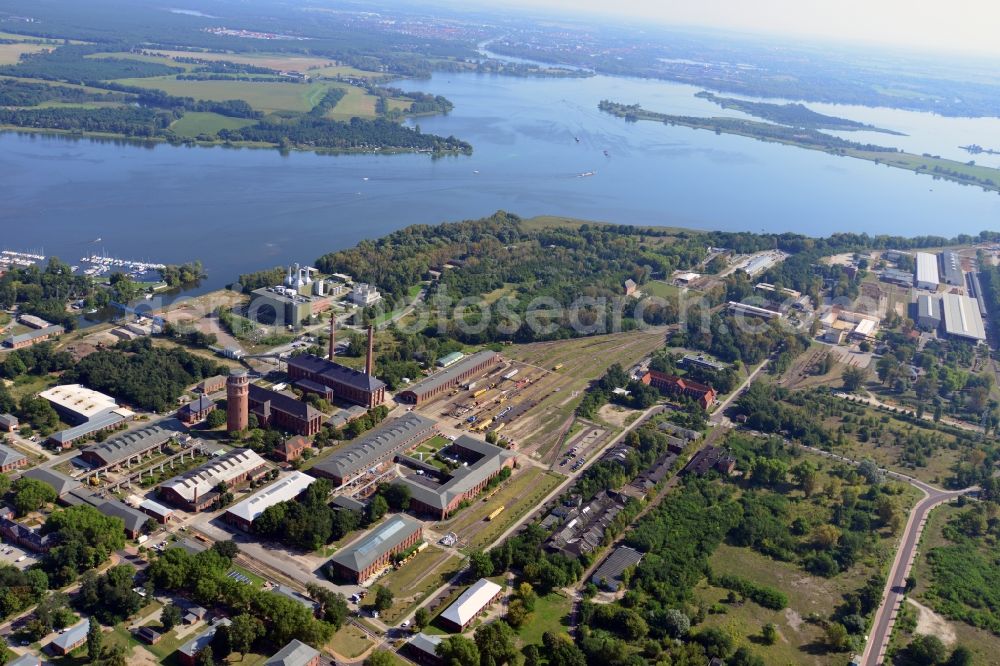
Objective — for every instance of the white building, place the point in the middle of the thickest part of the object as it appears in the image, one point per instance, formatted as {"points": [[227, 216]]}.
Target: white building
{"points": [[472, 602], [365, 294], [927, 271], [78, 400], [288, 488]]}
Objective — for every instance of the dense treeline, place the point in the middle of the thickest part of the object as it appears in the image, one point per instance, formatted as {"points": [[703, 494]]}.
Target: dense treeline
{"points": [[44, 292], [203, 576], [357, 134], [796, 115], [25, 93], [140, 374], [68, 63], [84, 539], [640, 396], [127, 121], [307, 522]]}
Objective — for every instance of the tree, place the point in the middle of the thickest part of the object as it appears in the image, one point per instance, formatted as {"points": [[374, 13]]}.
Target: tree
{"points": [[244, 631], [836, 636], [31, 495], [216, 418], [676, 623], [4, 652], [332, 605], [170, 616], [228, 548], [873, 474], [853, 378], [496, 643], [94, 640], [377, 508], [380, 658], [113, 655], [960, 656], [205, 657], [927, 650], [397, 496], [561, 651], [383, 598], [458, 650], [480, 564], [421, 618], [769, 633]]}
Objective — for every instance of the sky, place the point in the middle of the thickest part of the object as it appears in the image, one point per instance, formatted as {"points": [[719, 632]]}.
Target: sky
{"points": [[971, 26]]}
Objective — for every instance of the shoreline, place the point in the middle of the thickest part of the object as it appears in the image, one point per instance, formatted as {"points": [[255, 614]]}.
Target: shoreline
{"points": [[954, 171]]}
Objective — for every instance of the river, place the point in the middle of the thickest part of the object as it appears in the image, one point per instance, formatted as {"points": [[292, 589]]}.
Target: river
{"points": [[241, 210]]}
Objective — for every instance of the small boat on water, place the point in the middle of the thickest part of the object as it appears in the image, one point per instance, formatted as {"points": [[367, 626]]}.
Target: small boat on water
{"points": [[607, 154], [577, 139], [586, 174]]}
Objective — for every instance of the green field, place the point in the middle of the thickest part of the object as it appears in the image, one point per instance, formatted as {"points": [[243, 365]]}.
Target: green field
{"points": [[194, 123], [427, 571], [346, 70], [349, 642], [551, 614], [267, 97], [356, 103]]}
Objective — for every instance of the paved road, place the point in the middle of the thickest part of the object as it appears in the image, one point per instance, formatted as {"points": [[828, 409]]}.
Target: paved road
{"points": [[718, 416]]}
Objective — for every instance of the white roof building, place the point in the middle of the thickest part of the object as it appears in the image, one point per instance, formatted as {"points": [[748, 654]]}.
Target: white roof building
{"points": [[472, 602], [285, 489], [962, 318], [79, 400], [927, 271], [365, 294]]}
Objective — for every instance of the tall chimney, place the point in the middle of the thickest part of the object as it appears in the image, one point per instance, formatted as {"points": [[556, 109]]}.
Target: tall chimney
{"points": [[333, 324], [370, 359]]}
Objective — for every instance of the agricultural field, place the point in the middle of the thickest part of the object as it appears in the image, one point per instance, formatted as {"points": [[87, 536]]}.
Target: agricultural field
{"points": [[10, 54], [266, 97], [356, 103], [347, 71], [194, 123]]}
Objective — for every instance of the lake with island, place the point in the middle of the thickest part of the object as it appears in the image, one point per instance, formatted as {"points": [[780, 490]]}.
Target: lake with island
{"points": [[540, 147]]}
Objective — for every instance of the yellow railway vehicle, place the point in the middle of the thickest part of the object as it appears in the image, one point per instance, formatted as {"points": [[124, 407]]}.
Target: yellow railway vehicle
{"points": [[496, 512]]}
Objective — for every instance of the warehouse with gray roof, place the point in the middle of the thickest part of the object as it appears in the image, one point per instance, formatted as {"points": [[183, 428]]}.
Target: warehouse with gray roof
{"points": [[928, 312], [962, 318], [376, 447], [951, 269], [433, 386], [130, 447], [482, 462], [374, 550]]}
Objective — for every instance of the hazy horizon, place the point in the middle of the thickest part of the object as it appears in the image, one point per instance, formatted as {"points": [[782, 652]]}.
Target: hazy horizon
{"points": [[962, 27]]}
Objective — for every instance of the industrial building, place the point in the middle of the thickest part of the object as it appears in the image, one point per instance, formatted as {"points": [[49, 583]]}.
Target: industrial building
{"points": [[450, 359], [480, 596], [961, 318], [11, 459], [747, 310], [197, 410], [295, 653], [89, 412], [928, 312], [211, 385], [8, 423], [365, 294], [274, 409], [195, 490], [482, 461], [70, 639], [281, 306], [156, 511], [702, 361], [332, 380], [288, 488], [433, 386], [897, 277], [678, 386], [951, 269], [291, 449], [609, 575], [376, 447], [58, 481], [23, 340], [926, 276], [374, 550], [422, 649], [129, 448]]}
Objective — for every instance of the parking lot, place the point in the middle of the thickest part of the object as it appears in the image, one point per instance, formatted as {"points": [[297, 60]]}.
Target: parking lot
{"points": [[16, 556]]}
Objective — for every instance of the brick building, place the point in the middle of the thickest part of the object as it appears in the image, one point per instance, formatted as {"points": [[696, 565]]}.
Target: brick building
{"points": [[679, 386]]}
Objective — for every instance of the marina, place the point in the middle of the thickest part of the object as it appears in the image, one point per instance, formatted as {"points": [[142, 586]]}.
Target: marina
{"points": [[13, 258], [102, 264]]}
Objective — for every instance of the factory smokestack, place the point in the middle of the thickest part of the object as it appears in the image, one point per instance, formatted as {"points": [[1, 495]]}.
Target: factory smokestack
{"points": [[333, 326], [370, 358]]}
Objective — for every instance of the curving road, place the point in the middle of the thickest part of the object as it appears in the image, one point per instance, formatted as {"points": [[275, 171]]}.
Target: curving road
{"points": [[895, 585]]}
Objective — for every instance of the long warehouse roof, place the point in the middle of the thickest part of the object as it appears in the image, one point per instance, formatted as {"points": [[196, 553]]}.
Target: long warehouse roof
{"points": [[961, 317], [363, 452], [286, 489], [451, 373], [927, 268], [369, 548], [472, 601]]}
